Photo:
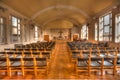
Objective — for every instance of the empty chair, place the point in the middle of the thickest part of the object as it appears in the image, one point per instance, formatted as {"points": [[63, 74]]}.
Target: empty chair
{"points": [[27, 54], [83, 65], [41, 64], [34, 49], [4, 65], [3, 55], [48, 49], [28, 65], [36, 54], [109, 63], [103, 53], [10, 54], [46, 55], [86, 54], [95, 54], [20, 49], [75, 55], [118, 64], [15, 65], [118, 53], [40, 49], [96, 65], [19, 54]]}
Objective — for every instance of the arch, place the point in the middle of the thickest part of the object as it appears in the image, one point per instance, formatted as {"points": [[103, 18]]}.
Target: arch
{"points": [[75, 22], [61, 7]]}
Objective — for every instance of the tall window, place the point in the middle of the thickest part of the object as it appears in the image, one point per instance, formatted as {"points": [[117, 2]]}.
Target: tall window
{"points": [[84, 32], [36, 33], [105, 28], [15, 29], [2, 35], [117, 28], [96, 31]]}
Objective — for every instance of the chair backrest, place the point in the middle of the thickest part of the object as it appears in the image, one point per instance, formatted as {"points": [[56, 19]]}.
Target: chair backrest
{"points": [[4, 62], [41, 61]]}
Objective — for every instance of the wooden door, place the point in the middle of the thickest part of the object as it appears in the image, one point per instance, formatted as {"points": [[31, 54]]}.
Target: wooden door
{"points": [[46, 38]]}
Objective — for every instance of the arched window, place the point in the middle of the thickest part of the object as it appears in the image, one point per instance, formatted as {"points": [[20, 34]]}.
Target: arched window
{"points": [[117, 28], [84, 32]]}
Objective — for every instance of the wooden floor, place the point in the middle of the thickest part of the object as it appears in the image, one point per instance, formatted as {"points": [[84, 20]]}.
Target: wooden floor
{"points": [[61, 68]]}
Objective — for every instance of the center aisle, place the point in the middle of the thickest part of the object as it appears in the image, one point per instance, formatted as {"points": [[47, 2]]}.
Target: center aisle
{"points": [[61, 67]]}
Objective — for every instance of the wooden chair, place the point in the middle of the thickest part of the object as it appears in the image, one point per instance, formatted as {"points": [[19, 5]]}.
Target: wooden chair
{"points": [[118, 64], [46, 54], [36, 54], [96, 65], [103, 53], [41, 64], [4, 65], [11, 54], [74, 55], [15, 65], [86, 54], [95, 54], [28, 64], [83, 65], [3, 54], [19, 54], [27, 54], [109, 63]]}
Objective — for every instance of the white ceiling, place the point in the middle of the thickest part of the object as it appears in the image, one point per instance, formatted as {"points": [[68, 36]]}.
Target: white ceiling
{"points": [[43, 11]]}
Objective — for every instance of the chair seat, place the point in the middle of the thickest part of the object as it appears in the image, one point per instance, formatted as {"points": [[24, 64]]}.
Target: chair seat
{"points": [[106, 63], [102, 55], [43, 63], [82, 64], [16, 64], [28, 64], [3, 64], [95, 64]]}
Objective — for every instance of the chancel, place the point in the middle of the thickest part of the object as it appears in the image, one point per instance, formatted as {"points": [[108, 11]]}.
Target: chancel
{"points": [[60, 39], [60, 36]]}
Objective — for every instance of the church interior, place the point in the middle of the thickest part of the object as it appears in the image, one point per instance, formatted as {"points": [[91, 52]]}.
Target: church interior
{"points": [[60, 39]]}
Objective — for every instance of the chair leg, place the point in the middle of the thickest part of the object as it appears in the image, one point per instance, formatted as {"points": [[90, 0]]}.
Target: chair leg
{"points": [[23, 72], [35, 71]]}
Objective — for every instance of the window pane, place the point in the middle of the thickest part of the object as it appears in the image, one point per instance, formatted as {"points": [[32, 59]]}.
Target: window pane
{"points": [[96, 31], [84, 32], [106, 29], [18, 26], [19, 21], [19, 32], [14, 21], [117, 28], [14, 31], [106, 19], [1, 20]]}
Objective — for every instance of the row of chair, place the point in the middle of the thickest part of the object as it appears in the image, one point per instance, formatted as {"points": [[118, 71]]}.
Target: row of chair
{"points": [[88, 53], [40, 45], [26, 54], [97, 64], [90, 57], [10, 65], [27, 49]]}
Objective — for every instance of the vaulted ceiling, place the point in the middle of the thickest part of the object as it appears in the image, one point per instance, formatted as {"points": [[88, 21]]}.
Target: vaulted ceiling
{"points": [[45, 11]]}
